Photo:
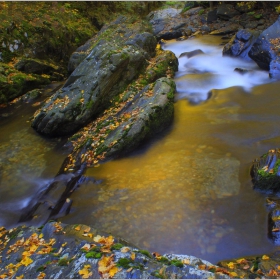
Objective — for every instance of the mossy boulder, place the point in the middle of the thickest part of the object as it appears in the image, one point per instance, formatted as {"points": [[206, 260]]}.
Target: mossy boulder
{"points": [[110, 66], [14, 83], [265, 172]]}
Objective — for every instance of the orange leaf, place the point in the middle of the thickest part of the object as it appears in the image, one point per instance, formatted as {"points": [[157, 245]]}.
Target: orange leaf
{"points": [[113, 271], [87, 230], [202, 266], [41, 275], [132, 256], [78, 227]]}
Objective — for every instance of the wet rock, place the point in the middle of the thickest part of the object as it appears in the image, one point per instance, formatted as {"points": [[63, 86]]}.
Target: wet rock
{"points": [[274, 69], [245, 7], [167, 24], [193, 11], [226, 11], [32, 95], [265, 172], [264, 50], [191, 54], [231, 28], [70, 252], [241, 70], [106, 71], [251, 25], [212, 16], [240, 44], [29, 65]]}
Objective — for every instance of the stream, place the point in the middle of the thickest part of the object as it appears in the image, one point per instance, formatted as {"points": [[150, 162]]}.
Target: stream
{"points": [[187, 191]]}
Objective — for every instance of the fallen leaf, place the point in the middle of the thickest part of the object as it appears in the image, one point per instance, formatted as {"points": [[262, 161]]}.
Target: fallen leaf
{"points": [[18, 277], [129, 269], [241, 261], [90, 235], [97, 238], [246, 266], [132, 256], [202, 266], [41, 275], [41, 235], [231, 265], [125, 249], [85, 272], [265, 257], [272, 272], [78, 228], [113, 271], [87, 230], [26, 261], [275, 229], [186, 261]]}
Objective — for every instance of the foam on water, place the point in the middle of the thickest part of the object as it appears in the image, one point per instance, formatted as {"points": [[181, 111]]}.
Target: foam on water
{"points": [[200, 74]]}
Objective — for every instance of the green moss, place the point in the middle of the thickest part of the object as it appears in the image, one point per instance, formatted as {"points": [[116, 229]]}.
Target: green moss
{"points": [[90, 104], [41, 268], [201, 12], [124, 262], [146, 253], [176, 263], [164, 260], [117, 246], [94, 255], [63, 262]]}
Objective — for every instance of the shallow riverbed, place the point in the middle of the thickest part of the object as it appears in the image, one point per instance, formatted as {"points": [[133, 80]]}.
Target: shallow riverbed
{"points": [[188, 191]]}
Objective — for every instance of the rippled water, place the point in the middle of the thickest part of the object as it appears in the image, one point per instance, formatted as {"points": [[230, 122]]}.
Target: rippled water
{"points": [[188, 191]]}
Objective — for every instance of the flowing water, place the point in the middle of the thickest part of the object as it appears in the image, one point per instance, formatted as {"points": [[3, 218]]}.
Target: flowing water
{"points": [[188, 191]]}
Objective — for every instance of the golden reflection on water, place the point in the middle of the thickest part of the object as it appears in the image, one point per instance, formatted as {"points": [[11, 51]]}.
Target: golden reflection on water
{"points": [[187, 191]]}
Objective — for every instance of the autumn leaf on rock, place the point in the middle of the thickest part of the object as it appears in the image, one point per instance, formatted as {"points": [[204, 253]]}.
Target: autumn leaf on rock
{"points": [[231, 265], [186, 261], [125, 249], [18, 277], [41, 275], [85, 272], [265, 257], [26, 261], [241, 261], [78, 228], [106, 267], [87, 230], [132, 256], [86, 247]]}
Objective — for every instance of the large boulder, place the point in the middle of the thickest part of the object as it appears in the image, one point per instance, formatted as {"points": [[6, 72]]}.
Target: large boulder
{"points": [[107, 70], [240, 44], [264, 50], [226, 11], [167, 24]]}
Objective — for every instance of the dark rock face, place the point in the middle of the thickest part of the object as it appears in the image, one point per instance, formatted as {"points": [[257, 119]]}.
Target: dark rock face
{"points": [[230, 28], [240, 44], [29, 65], [167, 24], [274, 69], [226, 11], [263, 50], [265, 172], [212, 16], [89, 90]]}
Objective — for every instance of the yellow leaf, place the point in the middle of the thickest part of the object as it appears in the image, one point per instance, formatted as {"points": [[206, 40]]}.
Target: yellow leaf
{"points": [[41, 235], [19, 277], [230, 265], [265, 257], [64, 244], [26, 254], [97, 238], [90, 235], [233, 274], [33, 248], [186, 261], [41, 275], [85, 272], [78, 227], [113, 271], [87, 230], [239, 261], [86, 247], [129, 269], [26, 261], [132, 256]]}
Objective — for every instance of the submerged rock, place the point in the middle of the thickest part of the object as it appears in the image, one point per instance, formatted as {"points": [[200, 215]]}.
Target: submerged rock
{"points": [[192, 53], [265, 172]]}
